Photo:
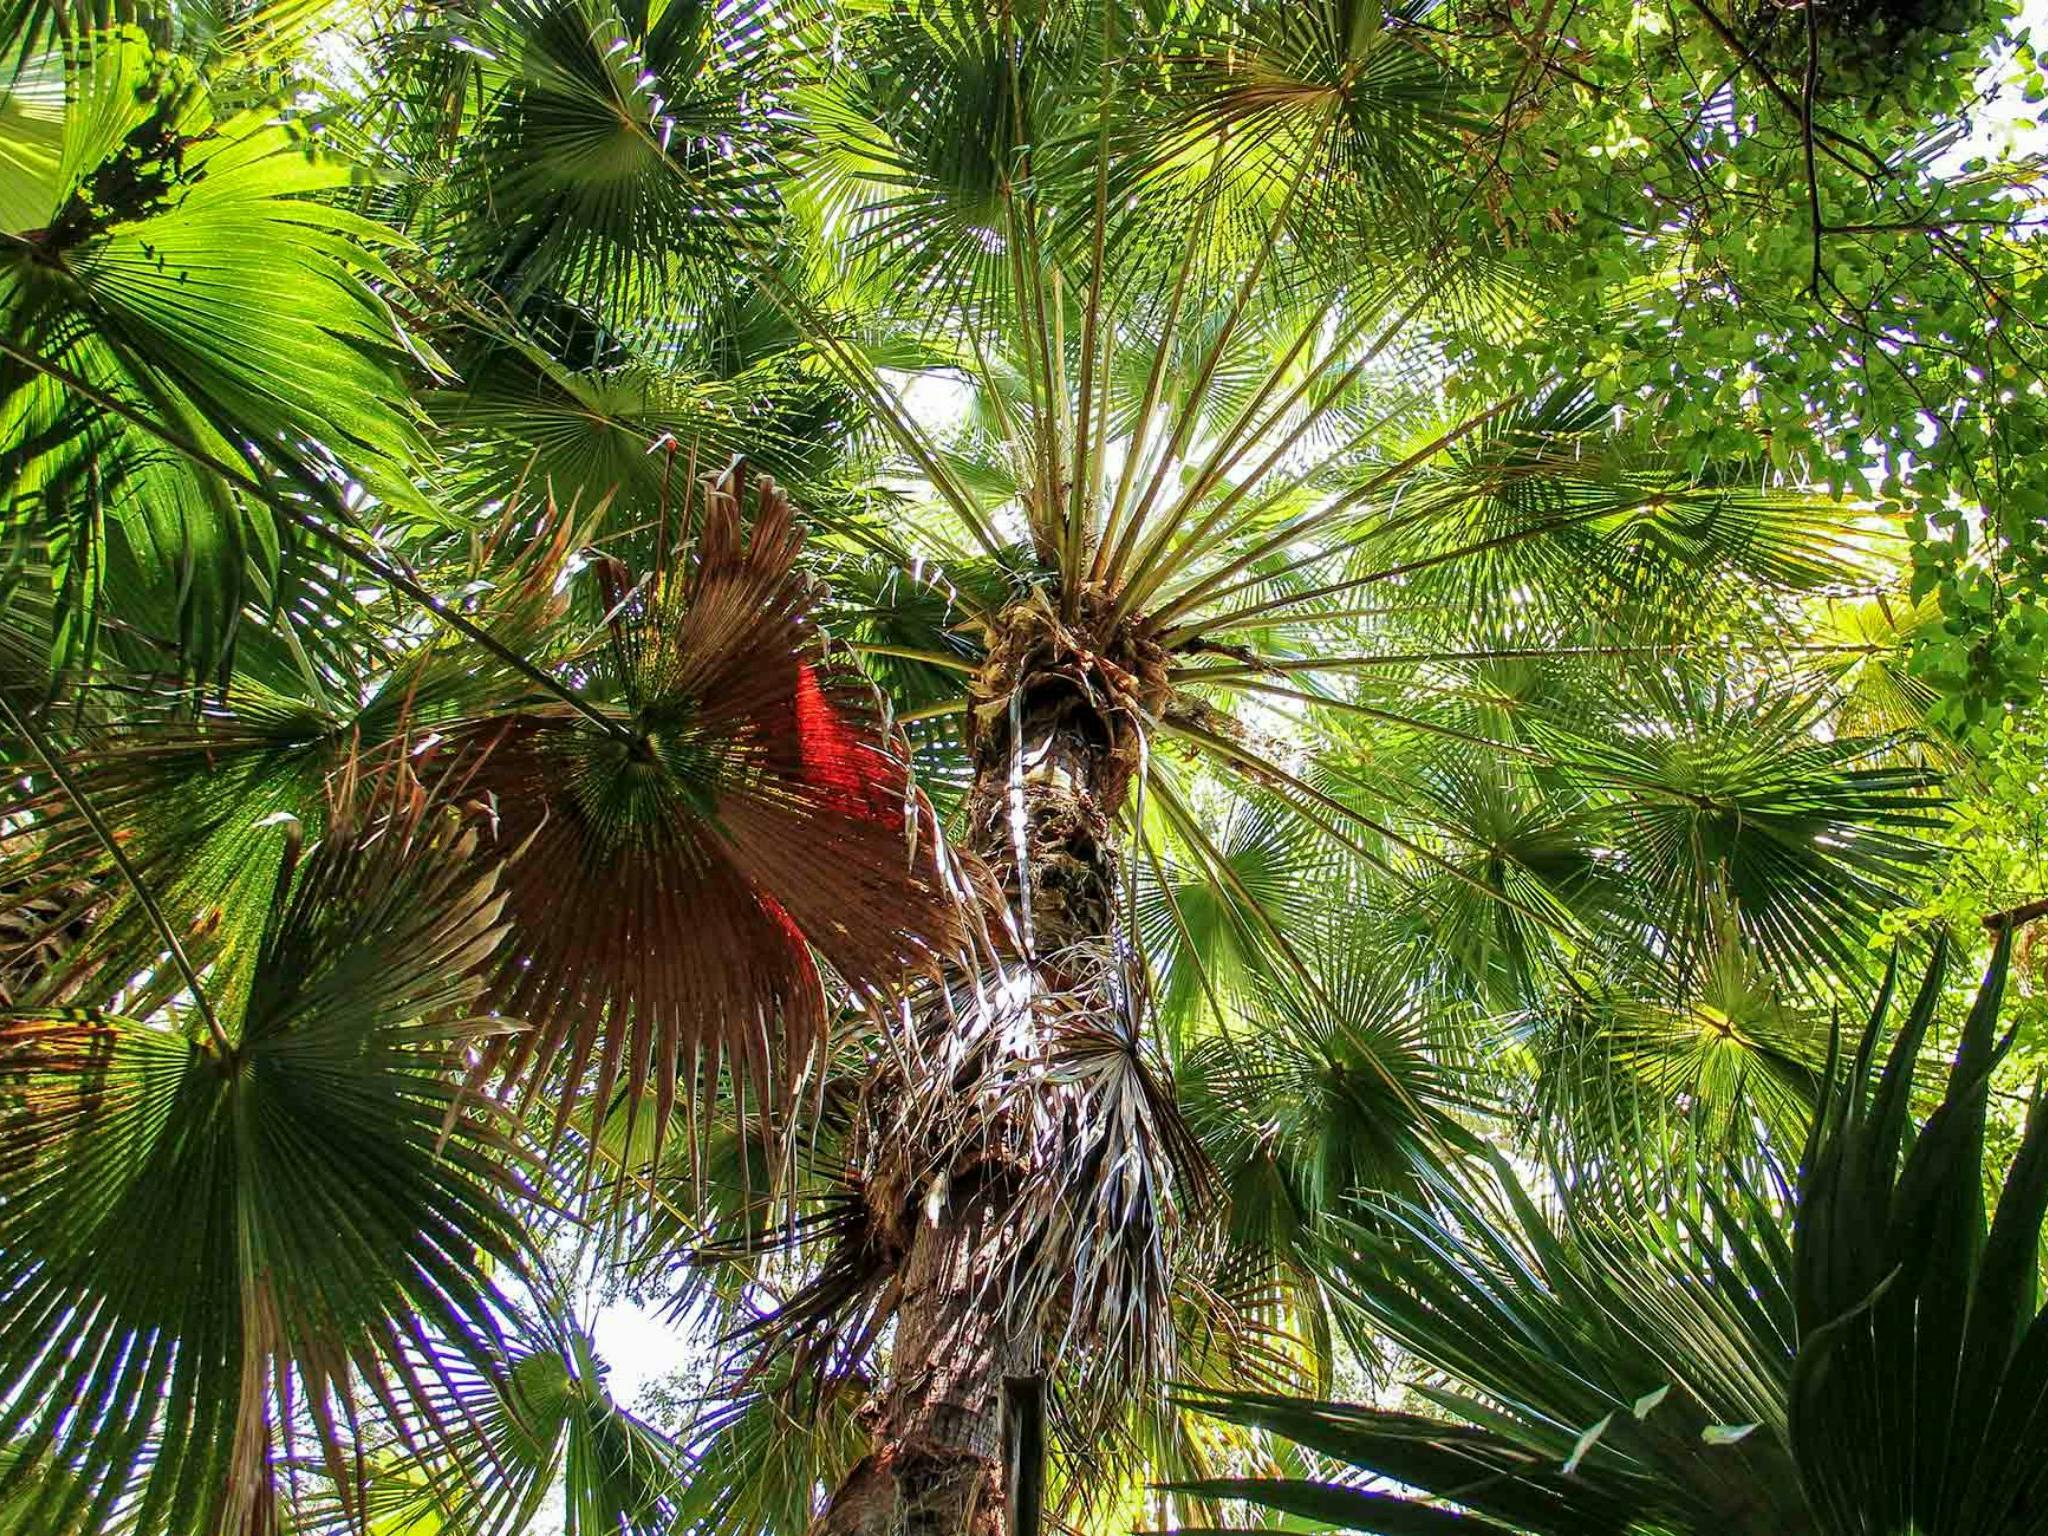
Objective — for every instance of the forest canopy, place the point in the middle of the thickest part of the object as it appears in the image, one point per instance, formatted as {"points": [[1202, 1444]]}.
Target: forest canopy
{"points": [[1171, 764]]}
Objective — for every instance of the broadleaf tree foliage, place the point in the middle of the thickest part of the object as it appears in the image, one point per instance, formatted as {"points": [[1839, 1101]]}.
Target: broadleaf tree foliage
{"points": [[985, 699]]}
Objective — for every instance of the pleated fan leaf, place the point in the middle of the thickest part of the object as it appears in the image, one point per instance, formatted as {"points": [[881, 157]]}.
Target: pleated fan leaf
{"points": [[206, 802], [212, 1240], [507, 1440], [674, 881], [184, 264]]}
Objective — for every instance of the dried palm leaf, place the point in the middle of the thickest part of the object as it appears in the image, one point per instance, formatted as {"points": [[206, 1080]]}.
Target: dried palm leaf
{"points": [[672, 879]]}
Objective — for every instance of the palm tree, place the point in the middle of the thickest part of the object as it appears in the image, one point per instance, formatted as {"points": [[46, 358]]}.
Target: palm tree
{"points": [[1230, 761], [1878, 1371]]}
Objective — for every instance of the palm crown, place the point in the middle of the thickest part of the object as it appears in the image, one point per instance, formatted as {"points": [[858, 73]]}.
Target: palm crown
{"points": [[1207, 758]]}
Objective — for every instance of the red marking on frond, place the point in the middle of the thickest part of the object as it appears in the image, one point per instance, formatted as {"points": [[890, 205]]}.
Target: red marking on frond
{"points": [[857, 780]]}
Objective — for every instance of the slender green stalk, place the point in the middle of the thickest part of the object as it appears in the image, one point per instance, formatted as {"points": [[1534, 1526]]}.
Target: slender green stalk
{"points": [[1088, 450], [1191, 405], [1289, 664], [911, 653], [1388, 716], [1109, 550], [1294, 530], [1240, 618], [934, 711], [1191, 544]]}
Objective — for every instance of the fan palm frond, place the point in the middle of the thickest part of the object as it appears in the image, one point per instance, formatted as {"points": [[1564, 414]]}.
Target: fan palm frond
{"points": [[1699, 1072], [1311, 1101], [668, 881], [1708, 1373], [1728, 796], [760, 1455], [502, 1436], [137, 275], [336, 1198], [616, 152]]}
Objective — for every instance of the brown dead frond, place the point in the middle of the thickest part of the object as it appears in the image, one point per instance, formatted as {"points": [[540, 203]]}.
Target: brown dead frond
{"points": [[671, 880]]}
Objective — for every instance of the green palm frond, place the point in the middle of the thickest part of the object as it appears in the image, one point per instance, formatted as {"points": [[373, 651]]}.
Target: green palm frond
{"points": [[1545, 816], [1531, 841], [138, 275], [1728, 796], [758, 1457], [629, 434], [615, 153], [1199, 937], [915, 163], [1400, 109], [1587, 1375], [500, 1438], [1912, 1309], [1879, 692], [1875, 1370], [335, 1198], [31, 131], [1632, 1065], [1308, 1103]]}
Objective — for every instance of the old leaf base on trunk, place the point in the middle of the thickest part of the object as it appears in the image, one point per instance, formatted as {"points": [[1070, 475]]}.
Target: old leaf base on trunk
{"points": [[1056, 722]]}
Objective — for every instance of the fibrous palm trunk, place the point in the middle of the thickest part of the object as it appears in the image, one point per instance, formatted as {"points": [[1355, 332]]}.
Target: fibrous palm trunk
{"points": [[1056, 748]]}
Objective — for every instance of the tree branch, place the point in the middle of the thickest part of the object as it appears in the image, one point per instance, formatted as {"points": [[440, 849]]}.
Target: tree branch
{"points": [[1786, 99], [2016, 917]]}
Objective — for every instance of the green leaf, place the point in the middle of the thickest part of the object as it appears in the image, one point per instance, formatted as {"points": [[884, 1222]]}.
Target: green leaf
{"points": [[1725, 1434], [1586, 1441], [182, 267], [333, 1202]]}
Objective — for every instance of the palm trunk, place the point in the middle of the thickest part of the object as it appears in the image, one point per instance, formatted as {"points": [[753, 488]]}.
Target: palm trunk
{"points": [[936, 1467], [1039, 811]]}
